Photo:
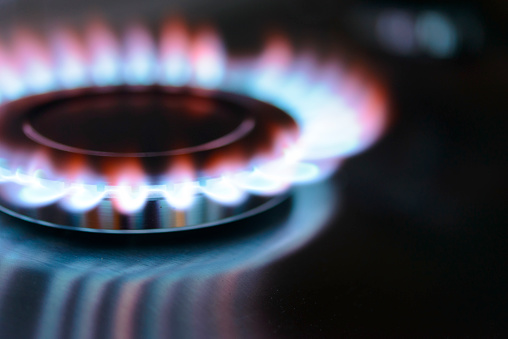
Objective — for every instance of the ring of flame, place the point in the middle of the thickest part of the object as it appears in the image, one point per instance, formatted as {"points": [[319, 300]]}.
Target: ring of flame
{"points": [[340, 111]]}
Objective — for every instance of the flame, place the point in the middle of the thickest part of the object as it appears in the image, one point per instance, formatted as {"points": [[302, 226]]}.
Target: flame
{"points": [[340, 111], [176, 68]]}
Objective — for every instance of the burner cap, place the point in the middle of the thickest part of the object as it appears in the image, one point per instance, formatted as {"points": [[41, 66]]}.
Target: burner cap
{"points": [[138, 146]]}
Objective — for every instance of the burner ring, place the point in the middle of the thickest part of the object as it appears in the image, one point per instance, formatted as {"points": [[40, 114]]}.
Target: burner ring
{"points": [[116, 141], [82, 125], [57, 169]]}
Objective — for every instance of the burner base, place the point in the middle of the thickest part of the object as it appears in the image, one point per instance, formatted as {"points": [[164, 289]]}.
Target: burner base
{"points": [[156, 216]]}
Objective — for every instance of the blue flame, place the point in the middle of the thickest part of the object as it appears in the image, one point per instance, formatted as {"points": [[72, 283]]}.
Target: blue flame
{"points": [[336, 118]]}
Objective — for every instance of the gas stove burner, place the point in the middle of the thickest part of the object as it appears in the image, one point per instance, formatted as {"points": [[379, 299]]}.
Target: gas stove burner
{"points": [[150, 144], [157, 137]]}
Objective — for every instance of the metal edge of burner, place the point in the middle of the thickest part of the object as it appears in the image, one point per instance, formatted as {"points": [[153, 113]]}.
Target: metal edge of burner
{"points": [[48, 215]]}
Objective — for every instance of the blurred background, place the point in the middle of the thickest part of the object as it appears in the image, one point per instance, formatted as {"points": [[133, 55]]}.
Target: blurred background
{"points": [[418, 246]]}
